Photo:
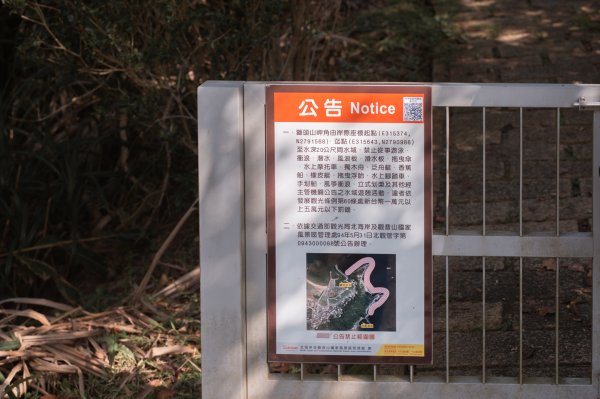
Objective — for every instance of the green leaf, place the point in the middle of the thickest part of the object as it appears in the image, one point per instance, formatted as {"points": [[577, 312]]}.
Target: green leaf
{"points": [[9, 346], [111, 347], [126, 352]]}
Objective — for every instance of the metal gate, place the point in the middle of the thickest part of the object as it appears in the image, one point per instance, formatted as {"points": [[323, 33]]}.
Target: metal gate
{"points": [[233, 244]]}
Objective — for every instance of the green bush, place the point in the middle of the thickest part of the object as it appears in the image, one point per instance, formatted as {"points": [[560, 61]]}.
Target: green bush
{"points": [[98, 111]]}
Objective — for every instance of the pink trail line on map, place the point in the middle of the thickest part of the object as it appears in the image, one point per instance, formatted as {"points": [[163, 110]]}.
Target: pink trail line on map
{"points": [[385, 293]]}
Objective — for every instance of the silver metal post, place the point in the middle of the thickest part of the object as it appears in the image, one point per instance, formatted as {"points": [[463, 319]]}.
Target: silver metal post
{"points": [[520, 235], [447, 170], [484, 168], [447, 232], [596, 257], [520, 320], [557, 273], [483, 321], [558, 172], [221, 190], [483, 262], [520, 172]]}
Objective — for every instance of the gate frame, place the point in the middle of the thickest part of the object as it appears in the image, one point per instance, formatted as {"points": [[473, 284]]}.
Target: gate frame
{"points": [[231, 156]]}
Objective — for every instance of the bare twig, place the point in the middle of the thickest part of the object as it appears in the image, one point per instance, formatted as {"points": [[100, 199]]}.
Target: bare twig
{"points": [[172, 266], [142, 287], [55, 245], [124, 157], [42, 22], [163, 187]]}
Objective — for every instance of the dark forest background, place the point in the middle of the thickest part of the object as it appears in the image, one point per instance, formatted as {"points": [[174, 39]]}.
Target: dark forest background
{"points": [[98, 116], [99, 245], [98, 167]]}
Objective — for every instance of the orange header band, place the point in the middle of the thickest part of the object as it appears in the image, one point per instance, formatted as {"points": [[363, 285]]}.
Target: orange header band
{"points": [[348, 107]]}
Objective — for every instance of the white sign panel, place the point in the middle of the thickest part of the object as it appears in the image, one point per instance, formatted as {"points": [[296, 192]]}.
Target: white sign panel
{"points": [[349, 223]]}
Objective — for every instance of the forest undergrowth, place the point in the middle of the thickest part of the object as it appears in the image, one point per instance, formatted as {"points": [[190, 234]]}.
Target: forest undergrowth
{"points": [[98, 167]]}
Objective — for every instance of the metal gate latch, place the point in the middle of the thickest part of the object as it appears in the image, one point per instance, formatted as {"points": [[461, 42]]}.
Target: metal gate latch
{"points": [[584, 104]]}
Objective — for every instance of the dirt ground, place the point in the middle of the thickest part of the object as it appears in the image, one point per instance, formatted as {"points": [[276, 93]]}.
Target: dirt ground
{"points": [[516, 41]]}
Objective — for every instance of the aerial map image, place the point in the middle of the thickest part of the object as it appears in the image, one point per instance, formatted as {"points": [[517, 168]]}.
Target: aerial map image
{"points": [[350, 292]]}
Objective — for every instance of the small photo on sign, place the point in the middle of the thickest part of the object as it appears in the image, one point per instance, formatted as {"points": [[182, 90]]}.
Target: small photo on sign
{"points": [[350, 292]]}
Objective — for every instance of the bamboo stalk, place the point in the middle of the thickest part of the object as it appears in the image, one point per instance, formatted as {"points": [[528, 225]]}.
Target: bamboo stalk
{"points": [[181, 284], [32, 314], [40, 302]]}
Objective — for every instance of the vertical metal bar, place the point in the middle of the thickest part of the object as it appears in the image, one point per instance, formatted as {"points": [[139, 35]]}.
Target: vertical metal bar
{"points": [[520, 320], [596, 259], [301, 371], [520, 235], [556, 322], [557, 275], [483, 261], [412, 373], [447, 325], [447, 169], [483, 321], [484, 167], [447, 232], [520, 172], [339, 372], [557, 172], [375, 372]]}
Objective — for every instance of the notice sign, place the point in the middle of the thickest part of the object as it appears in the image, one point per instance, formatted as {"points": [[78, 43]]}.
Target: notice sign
{"points": [[349, 223]]}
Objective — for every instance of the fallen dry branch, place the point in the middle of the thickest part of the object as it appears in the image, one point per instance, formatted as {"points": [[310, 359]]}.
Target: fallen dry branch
{"points": [[191, 279], [32, 314], [109, 345], [170, 350], [29, 341]]}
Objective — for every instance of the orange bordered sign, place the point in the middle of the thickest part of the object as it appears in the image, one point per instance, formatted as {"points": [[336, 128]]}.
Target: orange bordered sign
{"points": [[349, 223]]}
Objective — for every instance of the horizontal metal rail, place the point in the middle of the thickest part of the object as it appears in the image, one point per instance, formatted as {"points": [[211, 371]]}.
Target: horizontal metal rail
{"points": [[520, 95], [354, 388], [512, 95], [565, 246]]}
